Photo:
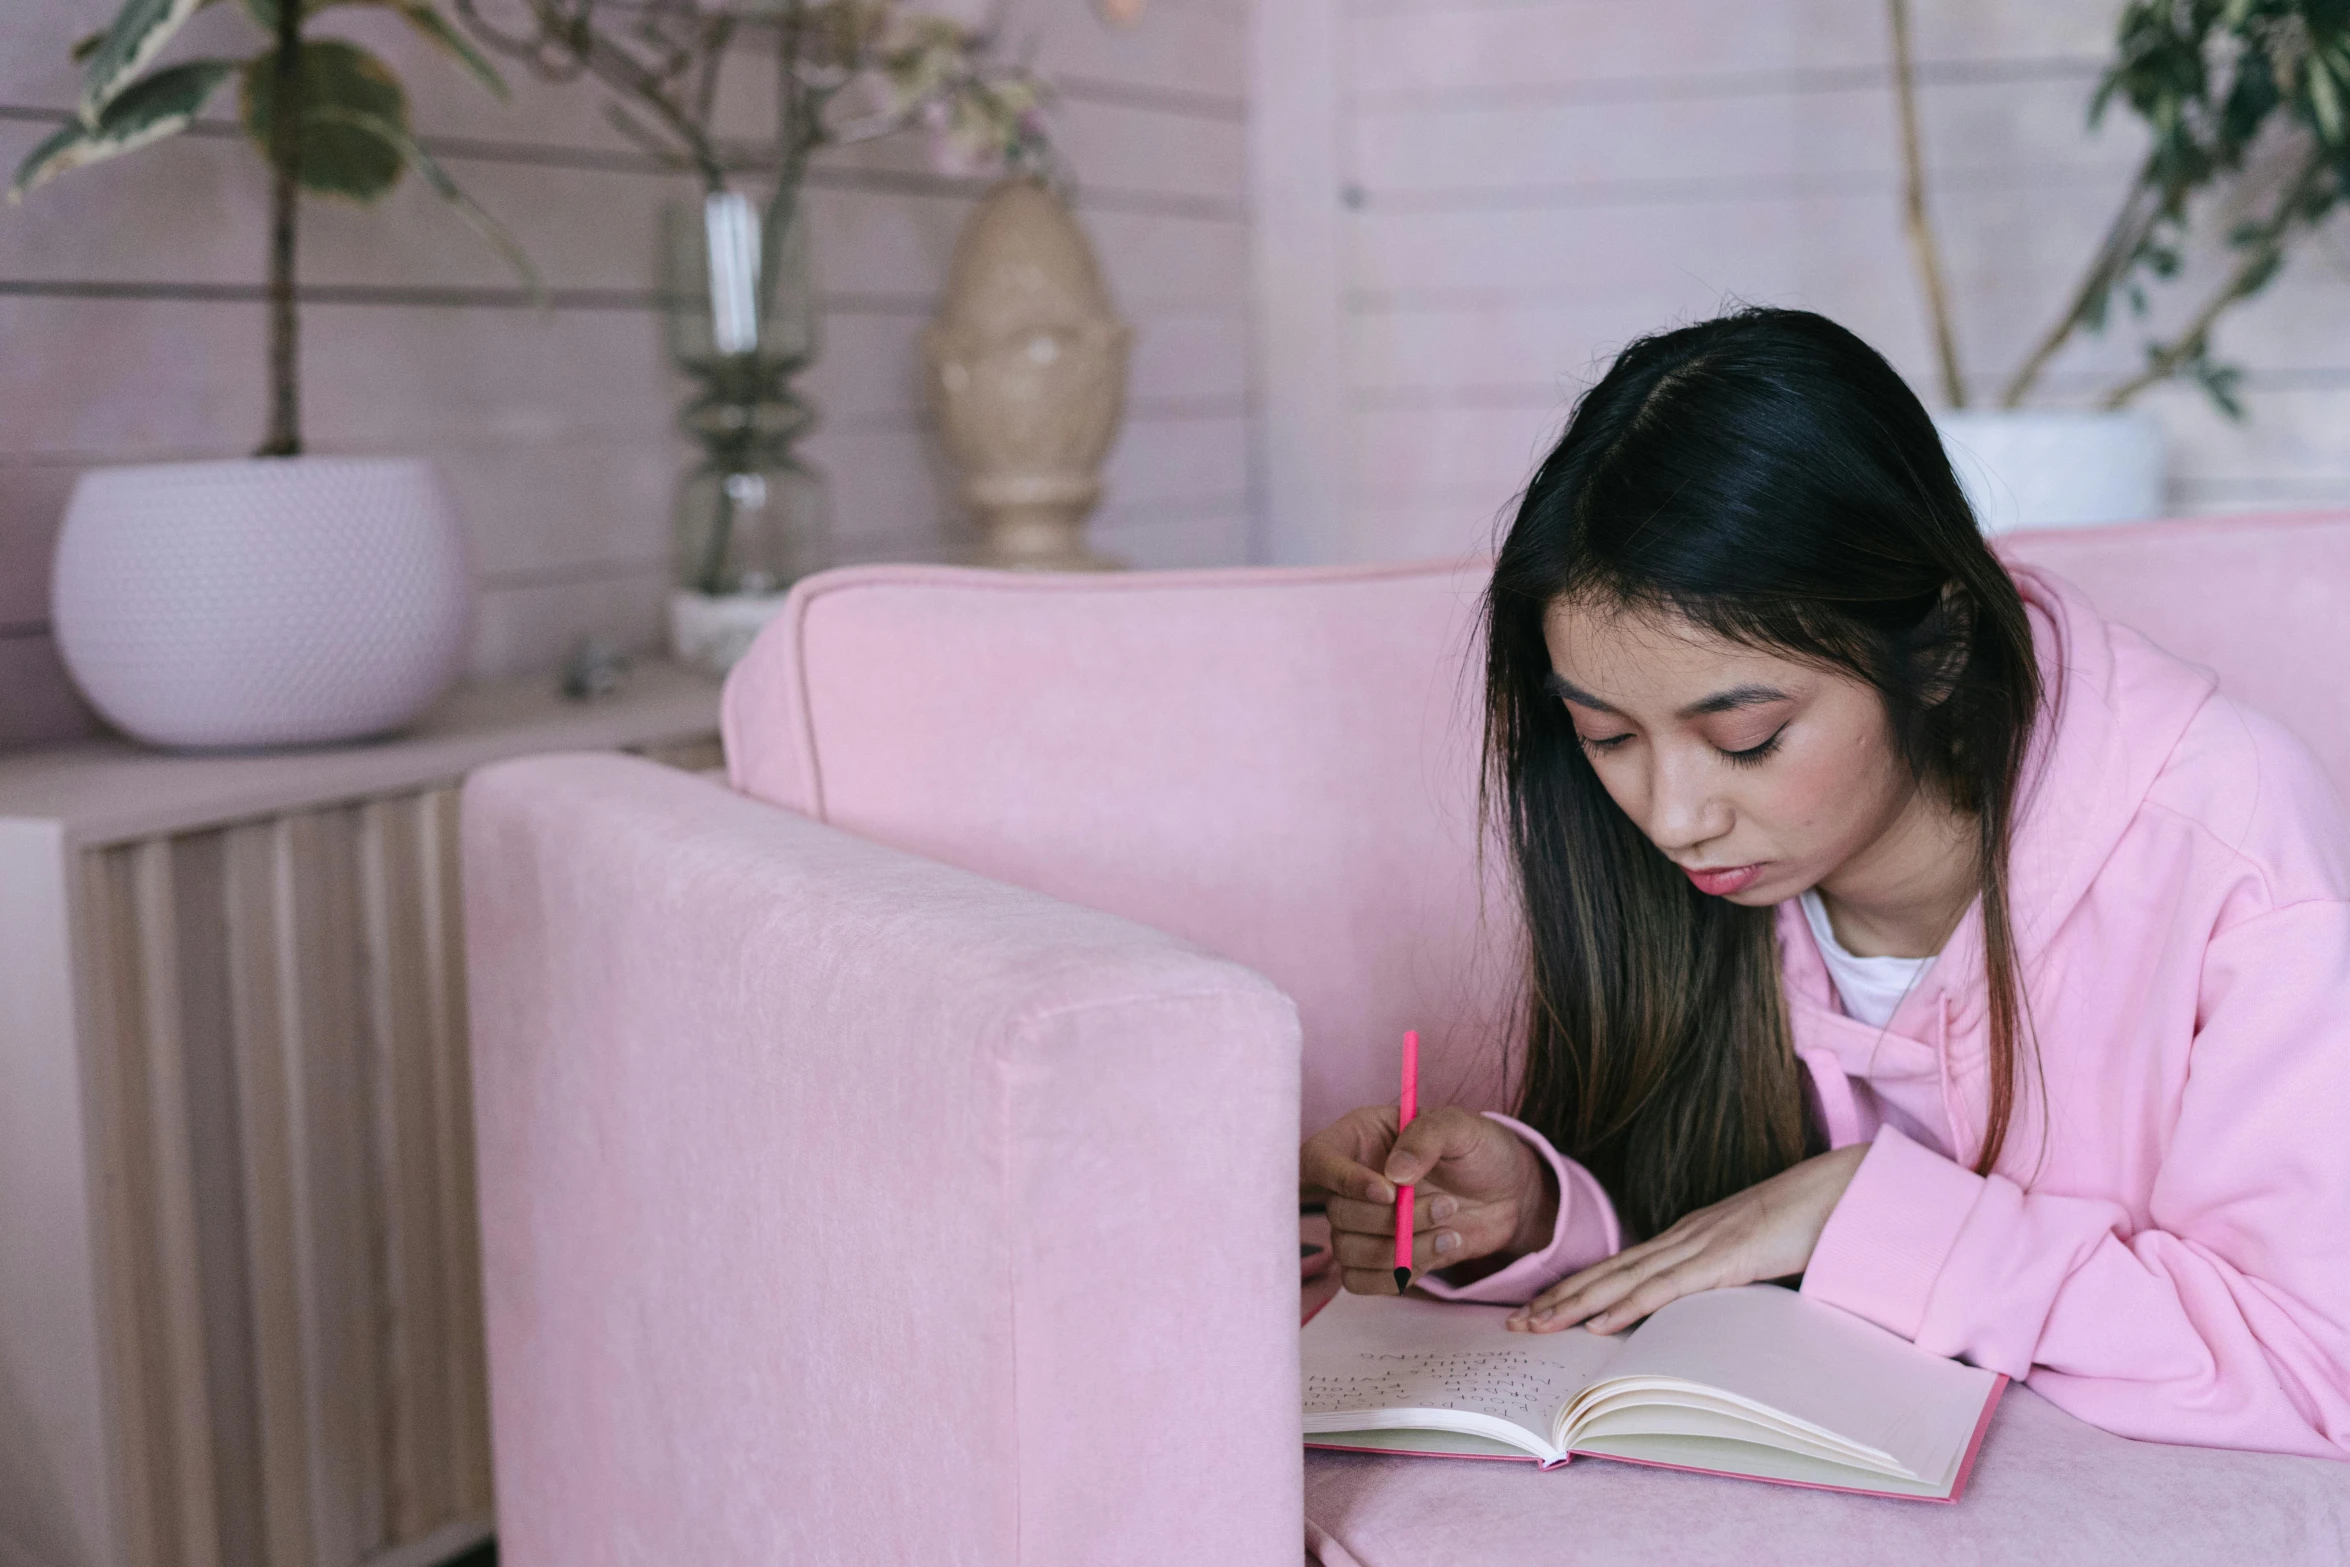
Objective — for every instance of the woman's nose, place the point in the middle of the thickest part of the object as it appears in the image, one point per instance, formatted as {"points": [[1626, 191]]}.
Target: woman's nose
{"points": [[1684, 810]]}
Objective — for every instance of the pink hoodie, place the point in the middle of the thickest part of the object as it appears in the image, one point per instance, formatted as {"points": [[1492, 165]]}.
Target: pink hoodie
{"points": [[2164, 1247]]}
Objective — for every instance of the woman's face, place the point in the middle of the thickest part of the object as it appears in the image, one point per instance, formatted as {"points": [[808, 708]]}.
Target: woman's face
{"points": [[1757, 775]]}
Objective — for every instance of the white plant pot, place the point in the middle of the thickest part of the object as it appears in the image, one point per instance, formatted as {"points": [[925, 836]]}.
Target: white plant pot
{"points": [[261, 602], [712, 631], [2046, 468]]}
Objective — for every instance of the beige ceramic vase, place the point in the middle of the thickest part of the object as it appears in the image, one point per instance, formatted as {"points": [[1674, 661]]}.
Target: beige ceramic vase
{"points": [[1028, 373]]}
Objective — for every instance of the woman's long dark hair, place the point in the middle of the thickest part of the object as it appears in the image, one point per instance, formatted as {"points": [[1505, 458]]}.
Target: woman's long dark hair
{"points": [[1768, 476]]}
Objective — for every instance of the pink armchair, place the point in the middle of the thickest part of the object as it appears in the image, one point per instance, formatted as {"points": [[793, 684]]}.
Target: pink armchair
{"points": [[890, 1157]]}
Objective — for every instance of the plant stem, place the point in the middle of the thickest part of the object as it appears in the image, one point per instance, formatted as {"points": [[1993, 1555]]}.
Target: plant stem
{"points": [[2139, 211], [285, 193], [1921, 228], [2258, 265]]}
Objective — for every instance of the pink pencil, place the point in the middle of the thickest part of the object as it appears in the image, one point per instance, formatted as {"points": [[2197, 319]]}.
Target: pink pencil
{"points": [[1407, 1106]]}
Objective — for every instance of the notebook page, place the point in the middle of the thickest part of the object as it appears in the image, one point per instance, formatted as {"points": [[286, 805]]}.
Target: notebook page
{"points": [[1715, 1456], [1683, 1411], [1821, 1366], [1365, 1354]]}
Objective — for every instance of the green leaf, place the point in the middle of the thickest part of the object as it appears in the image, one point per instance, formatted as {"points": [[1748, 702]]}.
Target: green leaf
{"points": [[2221, 382], [2325, 101], [140, 31], [396, 137], [337, 156], [264, 13], [86, 46], [160, 106], [421, 15]]}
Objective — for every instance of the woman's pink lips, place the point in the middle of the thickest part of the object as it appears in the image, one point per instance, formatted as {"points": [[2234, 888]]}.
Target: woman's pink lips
{"points": [[1721, 883]]}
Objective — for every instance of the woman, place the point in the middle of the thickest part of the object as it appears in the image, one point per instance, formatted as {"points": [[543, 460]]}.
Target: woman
{"points": [[1895, 922]]}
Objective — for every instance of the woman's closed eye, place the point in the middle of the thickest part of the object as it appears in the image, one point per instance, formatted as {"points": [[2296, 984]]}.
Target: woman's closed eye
{"points": [[1755, 753], [1600, 745]]}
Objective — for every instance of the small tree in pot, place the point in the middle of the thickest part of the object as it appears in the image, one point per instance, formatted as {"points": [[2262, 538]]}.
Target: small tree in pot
{"points": [[330, 118], [2247, 103], [234, 604]]}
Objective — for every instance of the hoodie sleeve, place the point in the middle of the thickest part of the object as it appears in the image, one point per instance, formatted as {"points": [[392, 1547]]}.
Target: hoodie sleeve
{"points": [[1585, 1233], [2223, 1317]]}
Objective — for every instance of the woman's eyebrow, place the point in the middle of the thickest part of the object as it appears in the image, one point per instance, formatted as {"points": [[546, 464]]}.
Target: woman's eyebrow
{"points": [[1731, 700], [1559, 685]]}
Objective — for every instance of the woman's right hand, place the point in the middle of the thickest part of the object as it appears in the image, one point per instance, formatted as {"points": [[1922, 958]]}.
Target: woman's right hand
{"points": [[1479, 1191]]}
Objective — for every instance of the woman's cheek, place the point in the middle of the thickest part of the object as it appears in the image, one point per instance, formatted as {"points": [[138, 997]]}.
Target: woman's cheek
{"points": [[1812, 793], [1625, 778]]}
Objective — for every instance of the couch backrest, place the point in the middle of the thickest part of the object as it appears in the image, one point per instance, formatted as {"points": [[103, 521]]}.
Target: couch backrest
{"points": [[1276, 765], [2262, 601], [1280, 765]]}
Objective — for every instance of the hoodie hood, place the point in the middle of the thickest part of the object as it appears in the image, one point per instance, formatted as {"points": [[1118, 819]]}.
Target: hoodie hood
{"points": [[2113, 709]]}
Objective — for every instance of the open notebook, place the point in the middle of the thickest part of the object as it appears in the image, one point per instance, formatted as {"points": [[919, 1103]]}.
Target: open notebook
{"points": [[1757, 1382]]}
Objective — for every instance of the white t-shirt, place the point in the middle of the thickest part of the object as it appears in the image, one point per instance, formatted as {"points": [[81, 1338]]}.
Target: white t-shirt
{"points": [[1869, 988]]}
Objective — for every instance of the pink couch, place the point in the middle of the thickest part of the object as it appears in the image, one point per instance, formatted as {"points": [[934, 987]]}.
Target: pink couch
{"points": [[890, 1158]]}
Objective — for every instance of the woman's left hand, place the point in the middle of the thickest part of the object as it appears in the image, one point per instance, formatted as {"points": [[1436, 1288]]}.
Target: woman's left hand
{"points": [[1765, 1232]]}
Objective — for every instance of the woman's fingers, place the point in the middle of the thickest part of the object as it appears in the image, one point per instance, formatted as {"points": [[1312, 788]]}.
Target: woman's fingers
{"points": [[1429, 1210], [1593, 1293], [1338, 1159], [1370, 1281], [1430, 1249], [1446, 1133], [1355, 1250], [1655, 1292], [1323, 1168]]}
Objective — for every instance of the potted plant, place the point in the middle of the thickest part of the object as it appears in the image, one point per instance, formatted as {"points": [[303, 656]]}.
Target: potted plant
{"points": [[2247, 100], [283, 599], [752, 515]]}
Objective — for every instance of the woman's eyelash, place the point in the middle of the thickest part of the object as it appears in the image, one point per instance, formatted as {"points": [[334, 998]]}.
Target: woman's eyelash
{"points": [[1746, 758], [1755, 753]]}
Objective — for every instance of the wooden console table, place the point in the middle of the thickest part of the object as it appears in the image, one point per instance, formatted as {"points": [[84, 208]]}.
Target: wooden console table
{"points": [[240, 1311]]}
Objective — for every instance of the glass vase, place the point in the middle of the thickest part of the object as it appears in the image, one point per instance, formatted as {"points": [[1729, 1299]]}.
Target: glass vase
{"points": [[752, 515]]}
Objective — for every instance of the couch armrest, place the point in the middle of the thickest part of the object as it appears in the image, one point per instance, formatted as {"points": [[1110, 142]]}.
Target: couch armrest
{"points": [[838, 1206]]}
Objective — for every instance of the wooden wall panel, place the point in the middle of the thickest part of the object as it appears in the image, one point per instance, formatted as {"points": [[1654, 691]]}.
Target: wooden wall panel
{"points": [[337, 1239], [240, 1317], [463, 1351], [405, 1166], [1522, 187], [130, 307], [270, 1132], [294, 1270]]}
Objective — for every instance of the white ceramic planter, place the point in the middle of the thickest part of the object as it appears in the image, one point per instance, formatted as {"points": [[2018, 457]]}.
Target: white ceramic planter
{"points": [[263, 602], [712, 631], [2036, 468]]}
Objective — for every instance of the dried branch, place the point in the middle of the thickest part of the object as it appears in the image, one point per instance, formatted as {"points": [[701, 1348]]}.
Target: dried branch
{"points": [[1921, 229], [2116, 253]]}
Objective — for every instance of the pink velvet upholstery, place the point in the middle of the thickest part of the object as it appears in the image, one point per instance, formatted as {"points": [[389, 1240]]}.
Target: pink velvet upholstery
{"points": [[840, 1205], [1277, 765], [816, 1183], [2264, 601]]}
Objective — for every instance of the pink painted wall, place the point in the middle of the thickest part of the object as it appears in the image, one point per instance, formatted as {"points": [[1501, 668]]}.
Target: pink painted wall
{"points": [[130, 327], [1519, 186]]}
